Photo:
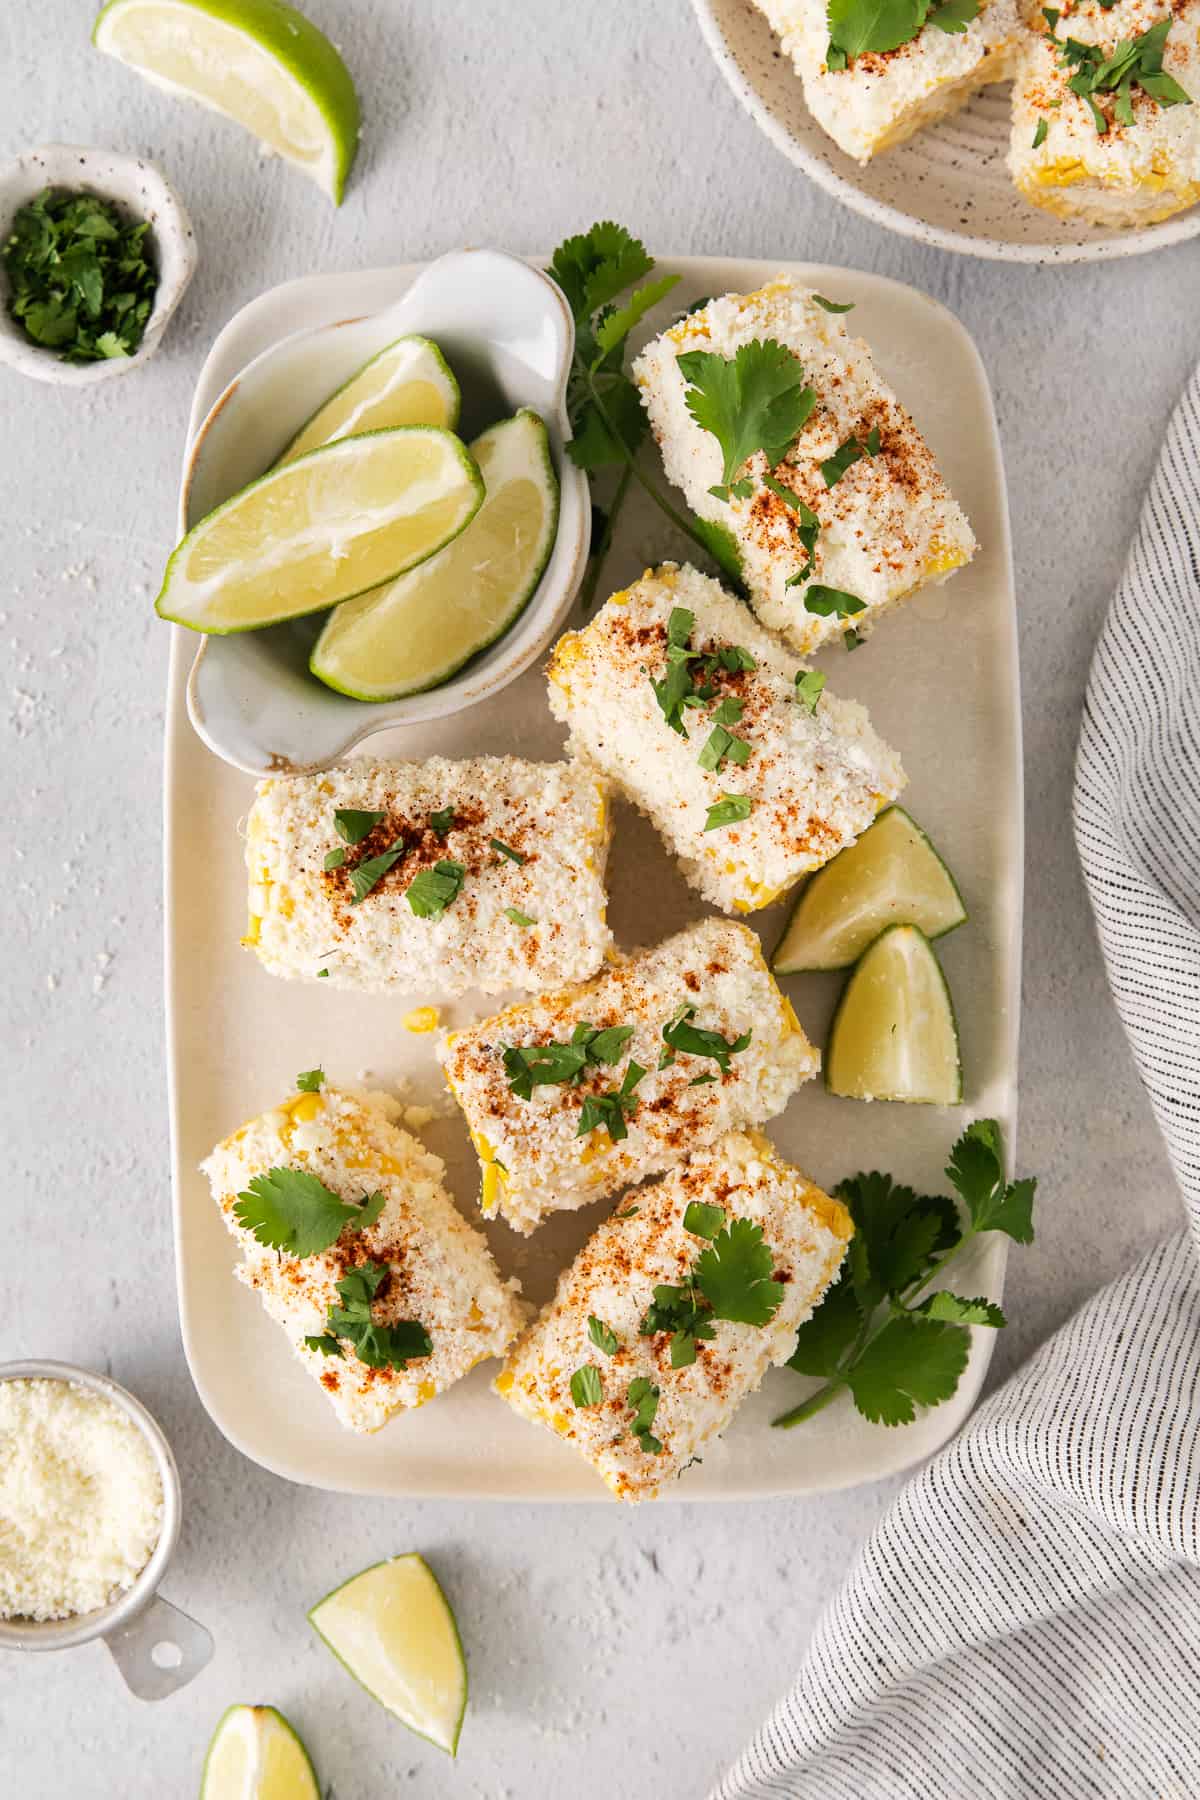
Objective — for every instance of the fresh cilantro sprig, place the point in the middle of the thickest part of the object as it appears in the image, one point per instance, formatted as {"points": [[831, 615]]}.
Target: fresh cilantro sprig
{"points": [[554, 1065], [689, 680], [353, 1322], [857, 27], [81, 278], [612, 1109], [1135, 62], [733, 1278], [594, 270], [310, 1081], [883, 1331], [289, 1209], [431, 891], [680, 1034], [756, 399]]}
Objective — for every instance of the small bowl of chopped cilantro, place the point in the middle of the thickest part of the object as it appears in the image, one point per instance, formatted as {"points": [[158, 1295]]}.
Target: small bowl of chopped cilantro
{"points": [[96, 251]]}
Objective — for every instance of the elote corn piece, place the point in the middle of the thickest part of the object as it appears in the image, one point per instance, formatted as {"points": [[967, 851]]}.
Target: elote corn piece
{"points": [[572, 1096], [865, 518], [599, 1365], [435, 876], [809, 778], [880, 98], [1126, 149], [428, 1267]]}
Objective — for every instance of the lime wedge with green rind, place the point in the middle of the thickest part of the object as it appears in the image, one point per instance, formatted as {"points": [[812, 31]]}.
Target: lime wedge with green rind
{"points": [[415, 633], [891, 876], [258, 62], [393, 1630], [319, 530], [409, 383], [894, 1035], [256, 1755]]}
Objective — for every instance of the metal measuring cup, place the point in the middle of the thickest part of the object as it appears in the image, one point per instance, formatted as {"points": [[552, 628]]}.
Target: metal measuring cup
{"points": [[156, 1647]]}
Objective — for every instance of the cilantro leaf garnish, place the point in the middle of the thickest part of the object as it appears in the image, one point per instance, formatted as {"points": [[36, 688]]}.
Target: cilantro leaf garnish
{"points": [[310, 1081], [289, 1209], [594, 270], [1134, 62], [552, 1065], [603, 1336], [834, 306], [1041, 130], [679, 1034], [442, 823], [335, 859], [722, 746], [810, 685], [431, 891], [327, 1344], [703, 1220], [829, 602], [587, 1389], [503, 849], [859, 26], [735, 1274], [517, 917], [755, 400], [642, 1396], [611, 1110], [367, 875], [81, 277], [728, 811], [883, 1332], [953, 16], [353, 824], [378, 1346]]}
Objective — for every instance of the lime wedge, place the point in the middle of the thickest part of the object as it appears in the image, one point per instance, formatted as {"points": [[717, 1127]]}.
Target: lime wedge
{"points": [[255, 1755], [406, 384], [321, 529], [394, 1631], [891, 876], [416, 632], [256, 61], [893, 1035]]}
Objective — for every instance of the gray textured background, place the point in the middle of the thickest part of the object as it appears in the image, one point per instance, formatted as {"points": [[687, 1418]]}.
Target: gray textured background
{"points": [[618, 1653]]}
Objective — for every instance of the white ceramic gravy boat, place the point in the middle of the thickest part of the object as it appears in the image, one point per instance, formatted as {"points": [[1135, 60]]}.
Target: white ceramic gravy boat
{"points": [[508, 335]]}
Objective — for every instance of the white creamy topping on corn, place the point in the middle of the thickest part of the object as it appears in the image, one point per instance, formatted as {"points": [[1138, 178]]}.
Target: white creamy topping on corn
{"points": [[441, 1271], [881, 98], [1128, 174], [815, 780], [613, 1279], [304, 922], [532, 1158], [888, 527]]}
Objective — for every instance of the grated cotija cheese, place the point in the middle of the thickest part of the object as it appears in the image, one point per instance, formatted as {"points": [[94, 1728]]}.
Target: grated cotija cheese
{"points": [[80, 1500]]}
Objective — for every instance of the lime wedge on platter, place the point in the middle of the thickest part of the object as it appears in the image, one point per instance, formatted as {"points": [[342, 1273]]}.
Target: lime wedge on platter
{"points": [[393, 1629], [319, 530], [256, 1755], [416, 632], [409, 383], [894, 1035], [891, 876], [258, 62]]}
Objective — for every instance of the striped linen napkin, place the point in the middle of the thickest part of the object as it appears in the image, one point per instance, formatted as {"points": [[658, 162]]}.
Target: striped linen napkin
{"points": [[1025, 1621]]}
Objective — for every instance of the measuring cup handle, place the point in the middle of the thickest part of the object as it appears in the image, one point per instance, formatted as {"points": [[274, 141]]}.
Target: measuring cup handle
{"points": [[159, 1651]]}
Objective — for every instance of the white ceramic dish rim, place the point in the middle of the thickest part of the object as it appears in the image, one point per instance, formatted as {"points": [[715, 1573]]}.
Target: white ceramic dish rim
{"points": [[1179, 230], [898, 1450], [65, 1634], [546, 609], [138, 187]]}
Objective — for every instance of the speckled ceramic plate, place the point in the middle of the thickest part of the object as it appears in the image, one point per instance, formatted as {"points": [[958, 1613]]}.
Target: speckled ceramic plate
{"points": [[940, 679], [948, 186]]}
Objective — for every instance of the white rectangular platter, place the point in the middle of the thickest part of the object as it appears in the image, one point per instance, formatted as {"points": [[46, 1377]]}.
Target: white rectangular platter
{"points": [[940, 680]]}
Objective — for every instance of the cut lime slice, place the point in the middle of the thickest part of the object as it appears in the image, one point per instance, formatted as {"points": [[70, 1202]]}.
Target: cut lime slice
{"points": [[893, 1035], [891, 876], [406, 384], [319, 530], [256, 61], [416, 632], [255, 1755], [393, 1629]]}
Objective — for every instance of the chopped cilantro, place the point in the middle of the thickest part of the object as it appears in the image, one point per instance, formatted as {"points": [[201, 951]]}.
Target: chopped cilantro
{"points": [[322, 974], [603, 1336], [369, 874], [721, 745], [311, 1081], [810, 684], [503, 849], [289, 1209], [728, 811], [587, 1389], [443, 822], [702, 1220], [827, 602], [834, 306], [681, 1035], [378, 1346], [847, 454], [431, 891], [81, 278], [335, 859], [327, 1344], [1134, 62], [1039, 135], [353, 825], [642, 1396], [612, 1109], [517, 916], [551, 1065]]}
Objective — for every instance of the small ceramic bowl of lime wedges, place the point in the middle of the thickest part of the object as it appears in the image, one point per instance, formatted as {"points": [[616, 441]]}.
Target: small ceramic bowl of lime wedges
{"points": [[83, 332]]}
